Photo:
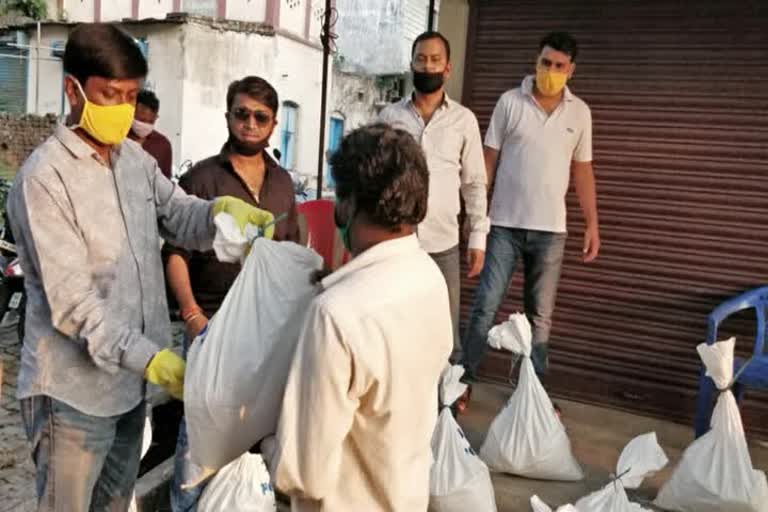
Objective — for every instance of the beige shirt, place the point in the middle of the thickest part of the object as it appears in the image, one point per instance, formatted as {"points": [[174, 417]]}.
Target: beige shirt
{"points": [[452, 144], [361, 400]]}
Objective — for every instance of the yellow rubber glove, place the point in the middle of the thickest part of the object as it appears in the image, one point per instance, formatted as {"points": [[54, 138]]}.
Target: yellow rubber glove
{"points": [[166, 369], [244, 214]]}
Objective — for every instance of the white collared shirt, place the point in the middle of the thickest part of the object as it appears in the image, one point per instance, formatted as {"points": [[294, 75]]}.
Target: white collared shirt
{"points": [[452, 144], [360, 405], [535, 162]]}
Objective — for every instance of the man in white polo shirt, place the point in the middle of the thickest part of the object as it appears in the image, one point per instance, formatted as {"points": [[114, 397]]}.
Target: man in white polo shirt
{"points": [[540, 135]]}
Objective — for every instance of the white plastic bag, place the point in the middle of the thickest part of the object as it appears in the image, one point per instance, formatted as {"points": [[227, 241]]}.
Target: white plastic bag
{"points": [[539, 506], [237, 368], [243, 485], [526, 438], [459, 480], [451, 387], [640, 458], [716, 473], [229, 243]]}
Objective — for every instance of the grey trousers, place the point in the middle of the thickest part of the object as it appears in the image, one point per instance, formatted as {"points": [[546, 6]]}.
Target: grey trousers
{"points": [[450, 265]]}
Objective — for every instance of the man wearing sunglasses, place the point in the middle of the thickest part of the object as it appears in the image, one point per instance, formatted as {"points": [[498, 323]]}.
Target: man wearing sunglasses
{"points": [[242, 169]]}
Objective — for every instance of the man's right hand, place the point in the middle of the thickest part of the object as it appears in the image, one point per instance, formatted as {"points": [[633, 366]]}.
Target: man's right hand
{"points": [[194, 326]]}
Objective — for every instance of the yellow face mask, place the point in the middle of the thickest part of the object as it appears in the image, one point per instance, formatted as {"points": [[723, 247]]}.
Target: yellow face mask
{"points": [[107, 124], [550, 83]]}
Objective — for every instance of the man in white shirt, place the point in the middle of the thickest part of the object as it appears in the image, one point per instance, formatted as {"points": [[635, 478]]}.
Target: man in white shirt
{"points": [[540, 135], [360, 405], [450, 137]]}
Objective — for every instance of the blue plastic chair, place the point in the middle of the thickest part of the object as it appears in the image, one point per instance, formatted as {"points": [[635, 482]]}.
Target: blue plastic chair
{"points": [[755, 375]]}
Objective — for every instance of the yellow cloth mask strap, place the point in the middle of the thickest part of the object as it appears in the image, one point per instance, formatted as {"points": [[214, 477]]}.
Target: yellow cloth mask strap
{"points": [[550, 83], [108, 124]]}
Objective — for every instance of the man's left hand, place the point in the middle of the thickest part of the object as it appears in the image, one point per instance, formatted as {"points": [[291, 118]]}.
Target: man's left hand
{"points": [[591, 243], [476, 260], [244, 213]]}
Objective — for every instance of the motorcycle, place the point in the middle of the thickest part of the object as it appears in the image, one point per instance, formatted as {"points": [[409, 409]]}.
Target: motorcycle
{"points": [[12, 295]]}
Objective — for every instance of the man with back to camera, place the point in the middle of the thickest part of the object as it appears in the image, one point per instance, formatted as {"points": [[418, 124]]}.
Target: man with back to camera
{"points": [[360, 404]]}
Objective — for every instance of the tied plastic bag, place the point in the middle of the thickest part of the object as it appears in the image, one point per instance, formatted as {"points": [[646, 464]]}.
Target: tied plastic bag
{"points": [[243, 485], [146, 443], [539, 506], [237, 368], [459, 481], [451, 387], [229, 243], [640, 458], [526, 438], [716, 473]]}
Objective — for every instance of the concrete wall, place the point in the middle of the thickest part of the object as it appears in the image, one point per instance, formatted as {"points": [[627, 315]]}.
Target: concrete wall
{"points": [[454, 16], [190, 68], [293, 15], [115, 10], [154, 8], [51, 72], [298, 78], [211, 60], [354, 99], [246, 10], [79, 10], [19, 135]]}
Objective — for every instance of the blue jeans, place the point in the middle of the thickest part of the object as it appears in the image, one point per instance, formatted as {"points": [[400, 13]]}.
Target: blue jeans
{"points": [[542, 255], [184, 470], [82, 462]]}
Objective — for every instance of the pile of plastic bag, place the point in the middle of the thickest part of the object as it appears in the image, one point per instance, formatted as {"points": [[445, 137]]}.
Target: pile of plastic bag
{"points": [[243, 485], [459, 480], [237, 368], [526, 438], [640, 458], [716, 473]]}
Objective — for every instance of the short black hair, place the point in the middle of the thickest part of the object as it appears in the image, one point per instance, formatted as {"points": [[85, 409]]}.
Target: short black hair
{"points": [[385, 171], [255, 87], [149, 100], [102, 49], [562, 42], [426, 36]]}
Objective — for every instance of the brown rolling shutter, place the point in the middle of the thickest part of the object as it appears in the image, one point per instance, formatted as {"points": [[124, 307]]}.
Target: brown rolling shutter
{"points": [[679, 98]]}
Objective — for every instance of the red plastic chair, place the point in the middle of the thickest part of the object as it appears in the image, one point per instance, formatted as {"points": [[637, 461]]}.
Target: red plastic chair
{"points": [[321, 231]]}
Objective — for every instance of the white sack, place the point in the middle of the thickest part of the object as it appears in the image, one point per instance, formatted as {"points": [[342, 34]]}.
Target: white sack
{"points": [[526, 438], [243, 485], [640, 458], [539, 506], [229, 243], [237, 368], [715, 472], [459, 481], [451, 387]]}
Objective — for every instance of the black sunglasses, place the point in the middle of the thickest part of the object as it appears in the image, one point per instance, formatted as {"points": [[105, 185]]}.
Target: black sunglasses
{"points": [[243, 114]]}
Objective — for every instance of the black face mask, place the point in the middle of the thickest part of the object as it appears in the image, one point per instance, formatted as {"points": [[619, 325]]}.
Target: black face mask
{"points": [[427, 83], [247, 148]]}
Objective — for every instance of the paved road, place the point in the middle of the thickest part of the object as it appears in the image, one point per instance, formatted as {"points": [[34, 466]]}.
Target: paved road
{"points": [[16, 468]]}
